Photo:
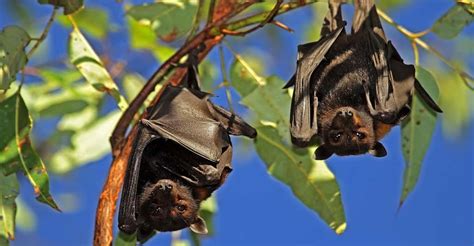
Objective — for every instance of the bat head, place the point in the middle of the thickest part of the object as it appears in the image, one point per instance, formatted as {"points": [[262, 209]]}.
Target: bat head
{"points": [[169, 205], [347, 131]]}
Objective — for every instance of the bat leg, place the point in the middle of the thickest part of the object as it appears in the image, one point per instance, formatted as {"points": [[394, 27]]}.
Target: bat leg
{"points": [[366, 17], [333, 19]]}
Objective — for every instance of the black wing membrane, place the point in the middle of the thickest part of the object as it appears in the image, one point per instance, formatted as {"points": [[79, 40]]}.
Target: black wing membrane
{"points": [[186, 117], [395, 80], [304, 104]]}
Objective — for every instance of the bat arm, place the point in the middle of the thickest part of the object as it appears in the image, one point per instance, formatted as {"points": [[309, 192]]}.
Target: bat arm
{"points": [[231, 122]]}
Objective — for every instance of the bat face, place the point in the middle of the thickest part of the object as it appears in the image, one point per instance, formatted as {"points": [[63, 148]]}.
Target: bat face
{"points": [[169, 205], [347, 131]]}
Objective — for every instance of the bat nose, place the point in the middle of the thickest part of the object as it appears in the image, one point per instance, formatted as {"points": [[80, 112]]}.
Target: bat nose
{"points": [[345, 114], [165, 187]]}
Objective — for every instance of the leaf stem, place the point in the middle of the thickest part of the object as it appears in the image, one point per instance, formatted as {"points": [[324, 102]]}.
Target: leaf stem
{"points": [[224, 78]]}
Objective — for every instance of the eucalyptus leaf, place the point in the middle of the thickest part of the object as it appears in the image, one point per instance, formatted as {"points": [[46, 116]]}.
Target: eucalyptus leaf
{"points": [[93, 21], [13, 40], [89, 64], [453, 21], [31, 164], [162, 17], [271, 104], [311, 181], [417, 131], [89, 144], [9, 189]]}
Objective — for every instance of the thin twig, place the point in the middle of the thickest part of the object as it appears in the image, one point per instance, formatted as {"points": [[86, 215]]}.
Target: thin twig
{"points": [[268, 19], [415, 37], [197, 20], [45, 32], [224, 78], [282, 26], [210, 14]]}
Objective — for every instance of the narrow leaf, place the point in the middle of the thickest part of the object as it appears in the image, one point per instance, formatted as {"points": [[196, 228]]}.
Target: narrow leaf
{"points": [[93, 21], [311, 181], [13, 41], [89, 64], [417, 131], [453, 21], [271, 103], [8, 192], [89, 144], [242, 79], [70, 6]]}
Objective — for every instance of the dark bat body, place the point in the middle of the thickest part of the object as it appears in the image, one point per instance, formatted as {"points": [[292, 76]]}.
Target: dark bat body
{"points": [[182, 153], [350, 89]]}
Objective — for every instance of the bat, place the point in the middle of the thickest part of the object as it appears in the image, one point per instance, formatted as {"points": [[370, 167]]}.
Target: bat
{"points": [[182, 153], [350, 89]]}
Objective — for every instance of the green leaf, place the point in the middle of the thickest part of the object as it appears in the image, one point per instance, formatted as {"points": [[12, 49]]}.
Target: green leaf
{"points": [[455, 99], [25, 218], [93, 21], [88, 63], [417, 131], [132, 84], [13, 41], [7, 121], [70, 6], [208, 73], [27, 158], [142, 37], [123, 239], [311, 181], [9, 190], [271, 104], [88, 145], [162, 17], [243, 75], [453, 21]]}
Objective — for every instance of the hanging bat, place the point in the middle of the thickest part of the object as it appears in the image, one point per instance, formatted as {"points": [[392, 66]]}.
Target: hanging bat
{"points": [[350, 90], [182, 153]]}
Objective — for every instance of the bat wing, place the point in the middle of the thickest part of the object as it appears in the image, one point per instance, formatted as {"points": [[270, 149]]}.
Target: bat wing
{"points": [[396, 81], [304, 102], [127, 212], [183, 116]]}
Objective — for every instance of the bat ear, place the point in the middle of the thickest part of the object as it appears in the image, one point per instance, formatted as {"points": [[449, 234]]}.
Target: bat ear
{"points": [[378, 150], [199, 226], [322, 153]]}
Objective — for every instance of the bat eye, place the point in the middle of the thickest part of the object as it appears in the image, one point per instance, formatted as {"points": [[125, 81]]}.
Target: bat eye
{"points": [[360, 135], [181, 208], [336, 137]]}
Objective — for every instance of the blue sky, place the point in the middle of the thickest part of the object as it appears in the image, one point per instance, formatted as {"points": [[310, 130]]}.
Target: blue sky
{"points": [[255, 208]]}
